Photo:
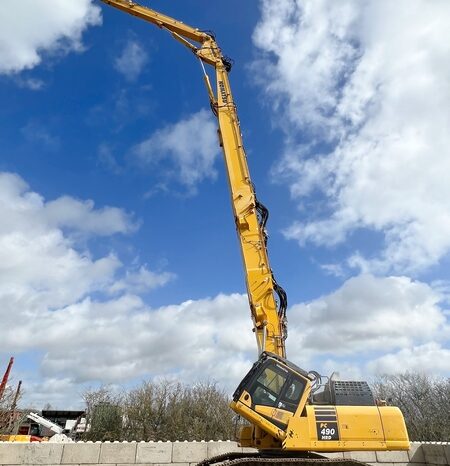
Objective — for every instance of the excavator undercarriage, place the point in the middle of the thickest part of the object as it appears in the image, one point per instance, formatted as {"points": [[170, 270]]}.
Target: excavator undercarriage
{"points": [[268, 458]]}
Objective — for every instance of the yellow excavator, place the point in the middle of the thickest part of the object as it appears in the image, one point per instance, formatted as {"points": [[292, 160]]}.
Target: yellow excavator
{"points": [[294, 415]]}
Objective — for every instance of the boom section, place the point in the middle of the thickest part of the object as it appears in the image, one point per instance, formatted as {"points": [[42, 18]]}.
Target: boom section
{"points": [[269, 325], [250, 215], [159, 19]]}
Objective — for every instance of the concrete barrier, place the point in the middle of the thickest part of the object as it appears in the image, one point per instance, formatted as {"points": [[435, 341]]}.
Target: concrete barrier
{"points": [[188, 454]]}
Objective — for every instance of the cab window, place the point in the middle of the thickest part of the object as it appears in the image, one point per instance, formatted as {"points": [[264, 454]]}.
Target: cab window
{"points": [[294, 390], [291, 395], [268, 387]]}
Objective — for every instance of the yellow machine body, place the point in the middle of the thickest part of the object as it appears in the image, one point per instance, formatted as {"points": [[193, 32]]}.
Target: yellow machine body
{"points": [[358, 428], [277, 399]]}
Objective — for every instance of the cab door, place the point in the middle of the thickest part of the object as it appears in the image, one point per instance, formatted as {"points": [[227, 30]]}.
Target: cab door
{"points": [[276, 393]]}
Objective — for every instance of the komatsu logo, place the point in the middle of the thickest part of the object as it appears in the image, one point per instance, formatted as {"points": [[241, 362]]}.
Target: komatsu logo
{"points": [[223, 92]]}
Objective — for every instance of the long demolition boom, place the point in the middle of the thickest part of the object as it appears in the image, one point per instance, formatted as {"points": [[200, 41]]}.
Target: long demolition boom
{"points": [[269, 316]]}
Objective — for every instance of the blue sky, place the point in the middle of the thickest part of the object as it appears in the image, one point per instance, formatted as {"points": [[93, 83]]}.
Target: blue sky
{"points": [[119, 259]]}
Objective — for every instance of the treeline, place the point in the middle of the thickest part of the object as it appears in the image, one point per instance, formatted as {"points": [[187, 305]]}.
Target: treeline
{"points": [[173, 411], [160, 411], [424, 401]]}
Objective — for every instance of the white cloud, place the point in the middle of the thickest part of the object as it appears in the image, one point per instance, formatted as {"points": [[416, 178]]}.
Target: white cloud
{"points": [[130, 340], [59, 302], [369, 314], [44, 271], [364, 86], [355, 330], [190, 146], [82, 216], [55, 301], [30, 28], [131, 61], [310, 44], [59, 392], [343, 369], [37, 133], [141, 281], [429, 358], [333, 269], [25, 211], [191, 341], [33, 84]]}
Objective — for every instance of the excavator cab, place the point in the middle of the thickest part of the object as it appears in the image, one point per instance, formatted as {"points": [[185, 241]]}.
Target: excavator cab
{"points": [[271, 393]]}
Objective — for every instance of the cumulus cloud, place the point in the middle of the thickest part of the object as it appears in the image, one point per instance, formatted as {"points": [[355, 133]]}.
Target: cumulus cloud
{"points": [[364, 86], [58, 392], [187, 149], [27, 212], [141, 281], [369, 314], [190, 341], [43, 271], [131, 61], [310, 49], [82, 216], [429, 358], [31, 28], [63, 305], [131, 340], [383, 321]]}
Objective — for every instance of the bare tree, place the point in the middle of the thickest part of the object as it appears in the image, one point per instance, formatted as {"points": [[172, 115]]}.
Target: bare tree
{"points": [[160, 411], [5, 410], [146, 410], [424, 401], [103, 414], [10, 417], [201, 412]]}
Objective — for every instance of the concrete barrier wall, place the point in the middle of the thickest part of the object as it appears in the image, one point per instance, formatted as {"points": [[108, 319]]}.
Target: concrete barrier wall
{"points": [[187, 454]]}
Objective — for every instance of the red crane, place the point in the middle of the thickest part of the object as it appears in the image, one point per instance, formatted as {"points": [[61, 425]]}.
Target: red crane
{"points": [[5, 377]]}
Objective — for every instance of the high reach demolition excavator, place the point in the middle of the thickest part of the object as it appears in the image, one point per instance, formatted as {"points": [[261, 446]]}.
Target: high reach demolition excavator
{"points": [[290, 411]]}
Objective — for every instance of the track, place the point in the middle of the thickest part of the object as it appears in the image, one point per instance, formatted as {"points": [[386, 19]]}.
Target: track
{"points": [[268, 459]]}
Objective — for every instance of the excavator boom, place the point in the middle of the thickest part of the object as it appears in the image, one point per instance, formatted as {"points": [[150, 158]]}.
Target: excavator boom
{"points": [[267, 299], [159, 19]]}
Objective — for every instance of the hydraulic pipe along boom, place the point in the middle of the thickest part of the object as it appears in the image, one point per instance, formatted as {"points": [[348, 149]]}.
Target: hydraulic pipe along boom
{"points": [[267, 299]]}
